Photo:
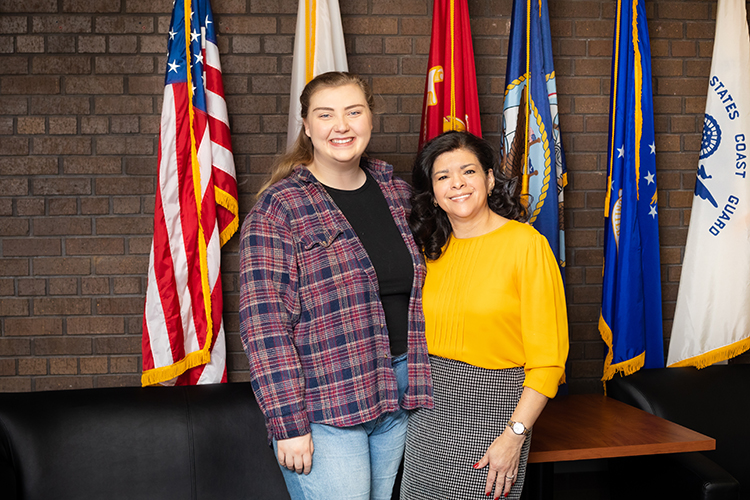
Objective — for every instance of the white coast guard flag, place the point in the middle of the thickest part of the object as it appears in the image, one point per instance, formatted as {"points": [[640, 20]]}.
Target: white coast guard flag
{"points": [[712, 318], [318, 48]]}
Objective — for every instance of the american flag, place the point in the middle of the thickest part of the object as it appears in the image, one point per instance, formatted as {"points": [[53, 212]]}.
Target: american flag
{"points": [[196, 210]]}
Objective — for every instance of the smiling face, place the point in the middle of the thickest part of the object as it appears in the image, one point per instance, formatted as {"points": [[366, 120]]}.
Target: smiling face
{"points": [[339, 124], [460, 186]]}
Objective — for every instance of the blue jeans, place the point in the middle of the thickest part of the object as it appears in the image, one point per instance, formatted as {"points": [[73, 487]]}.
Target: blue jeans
{"points": [[358, 462]]}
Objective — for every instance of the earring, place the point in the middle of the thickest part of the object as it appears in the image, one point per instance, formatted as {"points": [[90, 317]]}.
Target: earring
{"points": [[434, 203]]}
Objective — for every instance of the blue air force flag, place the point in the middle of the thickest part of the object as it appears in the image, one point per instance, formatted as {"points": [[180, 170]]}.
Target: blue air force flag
{"points": [[631, 317], [532, 148], [712, 318]]}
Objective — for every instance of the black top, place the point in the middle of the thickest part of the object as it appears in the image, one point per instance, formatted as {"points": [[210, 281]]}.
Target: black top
{"points": [[367, 211]]}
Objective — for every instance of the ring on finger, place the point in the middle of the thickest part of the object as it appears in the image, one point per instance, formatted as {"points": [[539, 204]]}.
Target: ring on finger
{"points": [[511, 477]]}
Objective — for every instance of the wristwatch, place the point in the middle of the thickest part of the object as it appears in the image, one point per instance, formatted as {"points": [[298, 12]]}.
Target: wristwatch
{"points": [[518, 428]]}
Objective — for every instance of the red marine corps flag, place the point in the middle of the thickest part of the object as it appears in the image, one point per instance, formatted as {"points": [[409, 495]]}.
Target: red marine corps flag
{"points": [[196, 210], [450, 96]]}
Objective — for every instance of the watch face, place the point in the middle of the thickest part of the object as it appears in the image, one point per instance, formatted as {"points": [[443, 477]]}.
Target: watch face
{"points": [[518, 427]]}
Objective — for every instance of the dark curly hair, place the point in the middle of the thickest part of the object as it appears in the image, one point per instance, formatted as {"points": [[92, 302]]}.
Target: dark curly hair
{"points": [[430, 223]]}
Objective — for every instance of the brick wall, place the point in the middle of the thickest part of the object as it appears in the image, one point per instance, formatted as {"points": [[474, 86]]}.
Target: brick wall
{"points": [[80, 97]]}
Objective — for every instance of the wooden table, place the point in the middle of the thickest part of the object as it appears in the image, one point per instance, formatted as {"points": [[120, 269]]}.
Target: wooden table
{"points": [[580, 427], [583, 427]]}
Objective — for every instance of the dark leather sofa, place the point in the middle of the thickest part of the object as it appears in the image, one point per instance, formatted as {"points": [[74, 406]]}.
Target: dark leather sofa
{"points": [[714, 401], [192, 443]]}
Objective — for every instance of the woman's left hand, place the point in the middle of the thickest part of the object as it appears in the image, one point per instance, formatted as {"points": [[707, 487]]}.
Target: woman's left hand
{"points": [[503, 457]]}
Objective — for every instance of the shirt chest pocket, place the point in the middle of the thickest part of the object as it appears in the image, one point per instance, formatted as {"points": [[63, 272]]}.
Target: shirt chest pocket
{"points": [[321, 256], [322, 239]]}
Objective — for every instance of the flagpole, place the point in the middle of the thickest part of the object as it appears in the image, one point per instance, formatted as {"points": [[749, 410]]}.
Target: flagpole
{"points": [[607, 197], [196, 174], [525, 174], [311, 22], [453, 65]]}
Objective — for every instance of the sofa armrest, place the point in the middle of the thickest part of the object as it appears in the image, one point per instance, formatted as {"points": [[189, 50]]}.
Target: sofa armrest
{"points": [[687, 476], [698, 473], [622, 389], [8, 486]]}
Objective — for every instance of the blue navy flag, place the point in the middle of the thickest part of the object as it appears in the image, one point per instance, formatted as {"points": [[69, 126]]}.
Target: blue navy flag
{"points": [[631, 317], [532, 148]]}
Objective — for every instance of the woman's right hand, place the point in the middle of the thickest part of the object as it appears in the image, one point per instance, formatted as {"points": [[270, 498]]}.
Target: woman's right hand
{"points": [[296, 453]]}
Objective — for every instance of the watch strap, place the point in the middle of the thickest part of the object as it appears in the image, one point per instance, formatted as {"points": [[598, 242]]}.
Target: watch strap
{"points": [[526, 431]]}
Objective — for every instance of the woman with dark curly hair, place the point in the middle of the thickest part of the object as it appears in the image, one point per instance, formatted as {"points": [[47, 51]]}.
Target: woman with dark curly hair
{"points": [[495, 320]]}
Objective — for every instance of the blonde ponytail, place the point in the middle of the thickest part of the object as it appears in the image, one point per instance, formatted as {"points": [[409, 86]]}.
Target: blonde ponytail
{"points": [[301, 153]]}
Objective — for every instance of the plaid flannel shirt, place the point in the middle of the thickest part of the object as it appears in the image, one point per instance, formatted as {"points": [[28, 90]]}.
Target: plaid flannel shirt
{"points": [[311, 320]]}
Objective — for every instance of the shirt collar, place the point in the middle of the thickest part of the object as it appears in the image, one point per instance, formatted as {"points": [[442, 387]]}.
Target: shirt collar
{"points": [[380, 170]]}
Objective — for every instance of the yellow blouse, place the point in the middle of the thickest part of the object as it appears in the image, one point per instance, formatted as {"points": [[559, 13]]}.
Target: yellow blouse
{"points": [[497, 301]]}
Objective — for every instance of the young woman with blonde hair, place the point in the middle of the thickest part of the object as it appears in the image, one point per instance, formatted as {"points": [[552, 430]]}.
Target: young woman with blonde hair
{"points": [[330, 303]]}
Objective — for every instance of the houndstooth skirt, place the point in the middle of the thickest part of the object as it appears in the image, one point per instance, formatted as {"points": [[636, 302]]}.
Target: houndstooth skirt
{"points": [[472, 406]]}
